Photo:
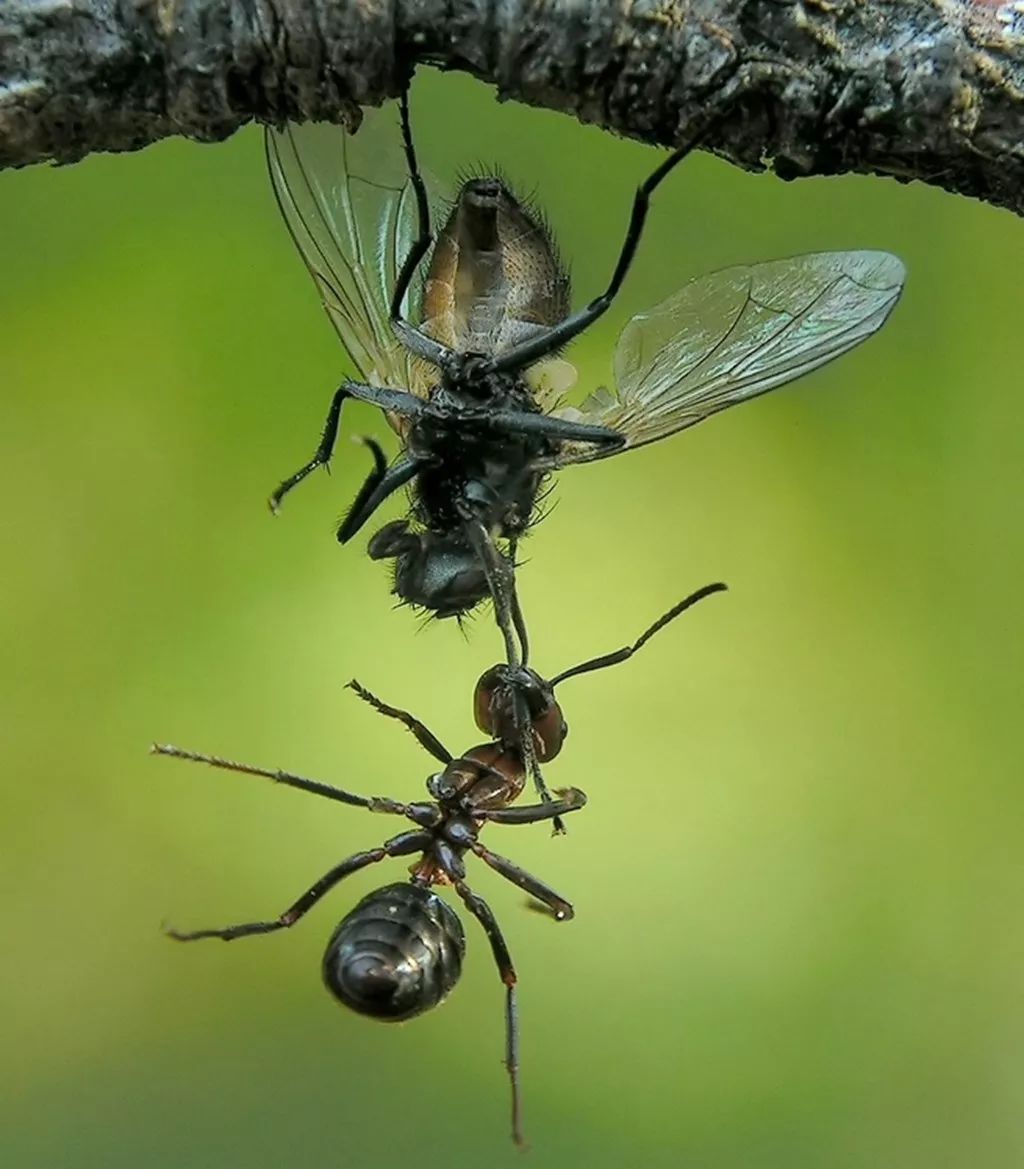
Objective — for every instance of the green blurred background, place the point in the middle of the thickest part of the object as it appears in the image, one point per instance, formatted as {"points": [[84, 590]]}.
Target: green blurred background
{"points": [[798, 883]]}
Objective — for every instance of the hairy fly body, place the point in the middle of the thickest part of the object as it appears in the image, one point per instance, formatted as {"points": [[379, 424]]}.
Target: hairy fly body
{"points": [[465, 365]]}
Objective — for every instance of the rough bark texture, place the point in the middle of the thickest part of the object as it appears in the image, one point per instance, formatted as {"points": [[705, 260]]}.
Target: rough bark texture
{"points": [[927, 89]]}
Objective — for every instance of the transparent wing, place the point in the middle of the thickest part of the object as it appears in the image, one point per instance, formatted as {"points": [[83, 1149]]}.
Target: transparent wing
{"points": [[350, 208], [735, 334]]}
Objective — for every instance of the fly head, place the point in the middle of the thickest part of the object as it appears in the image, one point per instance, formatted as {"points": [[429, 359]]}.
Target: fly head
{"points": [[433, 571]]}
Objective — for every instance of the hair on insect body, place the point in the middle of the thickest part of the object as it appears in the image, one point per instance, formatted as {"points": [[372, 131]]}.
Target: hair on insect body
{"points": [[399, 951], [464, 365]]}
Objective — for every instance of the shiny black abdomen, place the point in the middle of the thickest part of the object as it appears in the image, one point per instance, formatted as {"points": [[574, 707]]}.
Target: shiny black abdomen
{"points": [[396, 954]]}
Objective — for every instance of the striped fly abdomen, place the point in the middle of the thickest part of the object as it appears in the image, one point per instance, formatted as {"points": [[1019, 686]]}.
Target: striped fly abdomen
{"points": [[495, 275]]}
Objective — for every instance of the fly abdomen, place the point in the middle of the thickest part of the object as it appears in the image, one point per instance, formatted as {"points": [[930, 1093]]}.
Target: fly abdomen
{"points": [[397, 954]]}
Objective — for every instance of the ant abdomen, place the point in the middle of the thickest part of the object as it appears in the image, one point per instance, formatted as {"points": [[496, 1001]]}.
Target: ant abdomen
{"points": [[397, 954]]}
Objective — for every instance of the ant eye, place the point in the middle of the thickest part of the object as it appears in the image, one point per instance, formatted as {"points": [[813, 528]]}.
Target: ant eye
{"points": [[549, 733], [485, 698]]}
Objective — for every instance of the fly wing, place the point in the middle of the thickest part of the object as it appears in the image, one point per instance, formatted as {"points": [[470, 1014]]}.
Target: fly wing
{"points": [[350, 209], [732, 335]]}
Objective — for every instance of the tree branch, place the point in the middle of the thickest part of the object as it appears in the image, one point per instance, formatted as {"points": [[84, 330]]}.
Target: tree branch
{"points": [[926, 89]]}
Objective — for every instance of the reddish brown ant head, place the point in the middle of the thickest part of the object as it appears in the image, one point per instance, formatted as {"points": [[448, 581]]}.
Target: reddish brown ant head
{"points": [[498, 693]]}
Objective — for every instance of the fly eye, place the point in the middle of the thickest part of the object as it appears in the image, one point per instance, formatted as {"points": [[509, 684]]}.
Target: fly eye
{"points": [[393, 539]]}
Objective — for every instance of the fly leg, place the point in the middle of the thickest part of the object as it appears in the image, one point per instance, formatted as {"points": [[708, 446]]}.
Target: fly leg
{"points": [[524, 731], [374, 476], [506, 971], [401, 845], [379, 484], [517, 611], [412, 338], [526, 353], [502, 582], [546, 426], [395, 401], [424, 238]]}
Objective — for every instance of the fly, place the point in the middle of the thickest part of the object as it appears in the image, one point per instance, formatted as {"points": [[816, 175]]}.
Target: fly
{"points": [[466, 366]]}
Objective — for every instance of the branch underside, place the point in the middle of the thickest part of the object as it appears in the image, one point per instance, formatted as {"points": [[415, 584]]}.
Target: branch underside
{"points": [[914, 89]]}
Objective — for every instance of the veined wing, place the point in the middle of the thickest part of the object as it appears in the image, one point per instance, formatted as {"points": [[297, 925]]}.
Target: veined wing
{"points": [[350, 209], [734, 334]]}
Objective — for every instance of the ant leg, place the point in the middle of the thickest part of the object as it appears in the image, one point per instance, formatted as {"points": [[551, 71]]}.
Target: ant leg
{"points": [[571, 800], [287, 779], [395, 401], [503, 960], [376, 489], [561, 909], [558, 335], [426, 738], [624, 654], [401, 845]]}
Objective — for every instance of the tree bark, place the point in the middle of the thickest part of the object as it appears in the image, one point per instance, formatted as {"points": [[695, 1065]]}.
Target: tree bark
{"points": [[925, 89]]}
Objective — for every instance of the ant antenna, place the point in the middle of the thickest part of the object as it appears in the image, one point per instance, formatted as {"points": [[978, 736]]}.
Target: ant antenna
{"points": [[624, 654]]}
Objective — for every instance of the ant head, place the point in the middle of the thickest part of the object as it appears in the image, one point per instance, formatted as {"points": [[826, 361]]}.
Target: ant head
{"points": [[503, 691], [439, 573]]}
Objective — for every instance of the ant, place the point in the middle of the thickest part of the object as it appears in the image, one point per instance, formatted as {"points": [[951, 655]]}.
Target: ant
{"points": [[399, 952]]}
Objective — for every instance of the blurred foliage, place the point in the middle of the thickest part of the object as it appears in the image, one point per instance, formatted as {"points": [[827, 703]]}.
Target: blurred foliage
{"points": [[798, 883]]}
